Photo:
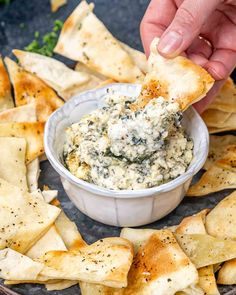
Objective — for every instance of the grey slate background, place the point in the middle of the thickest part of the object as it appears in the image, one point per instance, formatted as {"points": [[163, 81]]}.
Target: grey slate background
{"points": [[122, 17]]}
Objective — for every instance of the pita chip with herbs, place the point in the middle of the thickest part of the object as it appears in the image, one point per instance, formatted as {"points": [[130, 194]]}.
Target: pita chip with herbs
{"points": [[12, 161], [25, 113], [160, 264], [14, 266], [221, 175], [53, 72], [219, 145], [105, 262], [225, 100], [176, 79], [31, 131], [221, 221], [6, 101], [24, 218], [84, 38], [28, 88], [204, 250]]}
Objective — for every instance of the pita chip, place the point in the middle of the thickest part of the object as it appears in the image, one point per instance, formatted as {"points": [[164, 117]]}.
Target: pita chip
{"points": [[218, 120], [56, 4], [24, 218], [69, 232], [84, 38], [221, 175], [138, 237], [195, 225], [215, 118], [85, 264], [14, 266], [139, 58], [221, 222], [225, 100], [177, 79], [219, 145], [53, 72], [28, 88], [214, 130], [26, 113], [49, 242], [33, 172], [160, 265], [227, 273], [6, 101], [12, 161], [31, 131], [62, 285], [204, 250]]}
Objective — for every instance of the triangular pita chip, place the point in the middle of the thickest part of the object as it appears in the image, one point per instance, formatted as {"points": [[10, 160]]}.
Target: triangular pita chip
{"points": [[192, 290], [225, 100], [221, 221], [138, 57], [33, 172], [215, 118], [214, 130], [207, 280], [49, 242], [204, 250], [56, 4], [218, 120], [218, 147], [28, 88], [195, 225], [24, 218], [221, 175], [12, 161], [53, 72], [191, 225], [227, 273], [84, 38], [177, 79], [26, 113], [69, 232], [14, 266], [106, 262], [160, 265], [31, 131], [6, 101]]}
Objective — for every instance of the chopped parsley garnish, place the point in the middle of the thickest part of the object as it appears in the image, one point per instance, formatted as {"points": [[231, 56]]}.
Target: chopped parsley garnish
{"points": [[47, 43], [5, 1]]}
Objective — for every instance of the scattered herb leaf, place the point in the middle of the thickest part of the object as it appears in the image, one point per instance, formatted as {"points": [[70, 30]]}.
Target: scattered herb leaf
{"points": [[47, 43]]}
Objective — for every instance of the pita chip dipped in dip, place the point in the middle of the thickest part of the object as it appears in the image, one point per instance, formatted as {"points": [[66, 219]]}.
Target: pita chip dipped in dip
{"points": [[138, 142]]}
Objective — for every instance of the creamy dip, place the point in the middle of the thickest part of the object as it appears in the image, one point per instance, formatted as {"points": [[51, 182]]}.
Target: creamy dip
{"points": [[117, 148]]}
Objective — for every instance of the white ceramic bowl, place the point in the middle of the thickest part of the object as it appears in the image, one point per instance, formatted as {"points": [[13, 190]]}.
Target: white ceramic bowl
{"points": [[124, 207]]}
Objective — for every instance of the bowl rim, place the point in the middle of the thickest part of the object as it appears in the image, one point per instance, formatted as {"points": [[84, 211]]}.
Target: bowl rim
{"points": [[95, 189]]}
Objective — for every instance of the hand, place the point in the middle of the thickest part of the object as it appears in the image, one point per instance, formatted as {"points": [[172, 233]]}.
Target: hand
{"points": [[203, 30]]}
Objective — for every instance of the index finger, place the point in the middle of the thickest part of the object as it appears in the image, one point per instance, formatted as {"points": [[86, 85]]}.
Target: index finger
{"points": [[157, 18]]}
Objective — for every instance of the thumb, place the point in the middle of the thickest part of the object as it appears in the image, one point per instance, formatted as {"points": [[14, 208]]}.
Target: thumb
{"points": [[186, 26]]}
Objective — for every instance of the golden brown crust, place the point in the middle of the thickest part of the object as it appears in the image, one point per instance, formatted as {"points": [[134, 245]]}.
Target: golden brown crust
{"points": [[28, 88], [6, 101], [221, 175], [182, 80]]}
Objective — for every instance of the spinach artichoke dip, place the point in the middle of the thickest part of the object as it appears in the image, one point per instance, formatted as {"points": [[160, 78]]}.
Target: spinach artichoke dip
{"points": [[117, 148]]}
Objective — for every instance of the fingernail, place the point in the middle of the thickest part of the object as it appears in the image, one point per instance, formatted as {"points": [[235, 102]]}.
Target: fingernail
{"points": [[170, 43]]}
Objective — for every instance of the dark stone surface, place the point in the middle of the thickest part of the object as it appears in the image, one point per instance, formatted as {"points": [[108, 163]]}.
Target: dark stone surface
{"points": [[122, 18]]}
